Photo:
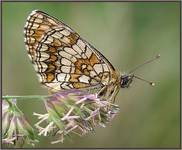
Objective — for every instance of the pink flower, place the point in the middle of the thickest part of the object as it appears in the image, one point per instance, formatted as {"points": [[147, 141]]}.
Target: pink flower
{"points": [[16, 131], [74, 112]]}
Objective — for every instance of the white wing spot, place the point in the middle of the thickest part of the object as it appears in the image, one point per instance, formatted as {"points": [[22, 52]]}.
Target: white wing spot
{"points": [[98, 68], [35, 26], [44, 47], [105, 67], [84, 79], [88, 53], [61, 77], [65, 69], [44, 27], [65, 85], [49, 40], [92, 73], [65, 32], [65, 55], [54, 86], [42, 56], [77, 49], [81, 44], [70, 50], [38, 20], [57, 35], [67, 77], [84, 66], [40, 66], [51, 21], [65, 61], [40, 16]]}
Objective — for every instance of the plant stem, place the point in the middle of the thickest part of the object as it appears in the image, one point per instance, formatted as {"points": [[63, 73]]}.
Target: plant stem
{"points": [[25, 97]]}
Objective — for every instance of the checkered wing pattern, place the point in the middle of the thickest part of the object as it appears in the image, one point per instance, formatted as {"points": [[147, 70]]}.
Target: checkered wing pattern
{"points": [[61, 58]]}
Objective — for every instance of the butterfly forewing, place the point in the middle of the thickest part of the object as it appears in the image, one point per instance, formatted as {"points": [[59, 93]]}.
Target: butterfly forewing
{"points": [[61, 58]]}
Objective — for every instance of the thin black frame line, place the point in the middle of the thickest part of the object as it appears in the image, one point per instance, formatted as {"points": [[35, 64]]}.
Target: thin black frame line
{"points": [[180, 72], [1, 70], [96, 1], [94, 148], [90, 1]]}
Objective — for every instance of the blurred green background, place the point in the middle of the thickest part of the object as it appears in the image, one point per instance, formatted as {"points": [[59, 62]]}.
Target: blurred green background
{"points": [[127, 34]]}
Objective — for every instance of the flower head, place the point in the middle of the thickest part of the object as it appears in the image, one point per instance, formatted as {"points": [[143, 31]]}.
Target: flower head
{"points": [[74, 112], [16, 131]]}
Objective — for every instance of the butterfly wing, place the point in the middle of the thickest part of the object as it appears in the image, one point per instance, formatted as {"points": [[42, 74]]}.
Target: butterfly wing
{"points": [[61, 58]]}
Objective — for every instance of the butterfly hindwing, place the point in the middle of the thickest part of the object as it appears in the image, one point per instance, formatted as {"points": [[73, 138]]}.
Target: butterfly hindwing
{"points": [[61, 58]]}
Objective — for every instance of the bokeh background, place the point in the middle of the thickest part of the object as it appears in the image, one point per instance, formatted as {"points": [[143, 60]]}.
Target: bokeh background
{"points": [[127, 34]]}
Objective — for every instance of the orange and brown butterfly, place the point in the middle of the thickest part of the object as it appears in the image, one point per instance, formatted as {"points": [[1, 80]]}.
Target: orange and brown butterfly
{"points": [[63, 60]]}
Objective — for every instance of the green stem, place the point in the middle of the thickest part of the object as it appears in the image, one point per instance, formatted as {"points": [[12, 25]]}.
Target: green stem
{"points": [[26, 97]]}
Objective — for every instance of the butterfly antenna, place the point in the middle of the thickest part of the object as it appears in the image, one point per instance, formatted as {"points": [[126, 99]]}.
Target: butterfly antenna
{"points": [[146, 62], [150, 82]]}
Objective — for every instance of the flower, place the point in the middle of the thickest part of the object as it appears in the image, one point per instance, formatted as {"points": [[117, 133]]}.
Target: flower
{"points": [[74, 112], [16, 131]]}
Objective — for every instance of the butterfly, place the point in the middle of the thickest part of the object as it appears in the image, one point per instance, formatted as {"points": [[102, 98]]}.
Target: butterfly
{"points": [[63, 60]]}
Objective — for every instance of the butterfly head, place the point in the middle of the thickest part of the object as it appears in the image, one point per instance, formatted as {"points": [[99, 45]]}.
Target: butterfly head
{"points": [[126, 80]]}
